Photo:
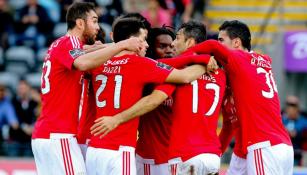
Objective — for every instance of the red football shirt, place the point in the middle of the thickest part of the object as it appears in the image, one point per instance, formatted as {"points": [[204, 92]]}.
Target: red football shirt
{"points": [[61, 89], [231, 126], [86, 112], [195, 117], [154, 129], [118, 84], [255, 93]]}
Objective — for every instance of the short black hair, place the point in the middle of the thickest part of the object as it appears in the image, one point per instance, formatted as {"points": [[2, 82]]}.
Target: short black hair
{"points": [[135, 16], [195, 30], [237, 29], [78, 10], [152, 36], [124, 28]]}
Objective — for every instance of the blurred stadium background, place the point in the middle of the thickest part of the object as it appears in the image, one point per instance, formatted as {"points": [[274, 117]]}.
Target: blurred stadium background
{"points": [[279, 29]]}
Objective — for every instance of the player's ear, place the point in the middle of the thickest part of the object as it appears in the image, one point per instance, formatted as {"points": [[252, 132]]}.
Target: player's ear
{"points": [[80, 23], [191, 42], [237, 43]]}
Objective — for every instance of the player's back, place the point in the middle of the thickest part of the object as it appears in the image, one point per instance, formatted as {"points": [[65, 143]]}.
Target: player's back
{"points": [[195, 116], [118, 84], [61, 89], [256, 99]]}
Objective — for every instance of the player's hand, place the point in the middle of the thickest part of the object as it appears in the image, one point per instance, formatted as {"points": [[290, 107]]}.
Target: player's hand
{"points": [[133, 44], [212, 65], [104, 125]]}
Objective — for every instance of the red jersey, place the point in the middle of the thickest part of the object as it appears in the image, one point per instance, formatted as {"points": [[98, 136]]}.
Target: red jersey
{"points": [[255, 94], [118, 84], [87, 112], [195, 116], [231, 126], [154, 129], [61, 89]]}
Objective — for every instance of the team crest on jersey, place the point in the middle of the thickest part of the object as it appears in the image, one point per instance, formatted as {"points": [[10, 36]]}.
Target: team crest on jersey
{"points": [[164, 66], [76, 53]]}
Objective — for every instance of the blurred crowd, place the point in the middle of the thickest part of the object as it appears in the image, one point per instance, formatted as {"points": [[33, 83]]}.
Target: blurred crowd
{"points": [[34, 22], [18, 113], [295, 122]]}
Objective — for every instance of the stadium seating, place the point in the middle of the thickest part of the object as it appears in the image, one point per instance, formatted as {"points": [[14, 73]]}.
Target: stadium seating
{"points": [[10, 80], [19, 59], [34, 79], [41, 54], [59, 30], [288, 15]]}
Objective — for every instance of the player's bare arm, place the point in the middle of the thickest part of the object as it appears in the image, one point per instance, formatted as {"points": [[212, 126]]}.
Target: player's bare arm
{"points": [[105, 124], [96, 58], [98, 45], [186, 75]]}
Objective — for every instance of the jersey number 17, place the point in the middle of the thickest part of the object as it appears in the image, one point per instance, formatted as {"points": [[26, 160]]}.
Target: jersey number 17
{"points": [[209, 86]]}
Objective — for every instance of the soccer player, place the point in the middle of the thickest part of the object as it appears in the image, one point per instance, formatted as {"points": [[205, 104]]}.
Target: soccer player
{"points": [[118, 85], [194, 144], [264, 138], [160, 43], [54, 144], [154, 127], [86, 113]]}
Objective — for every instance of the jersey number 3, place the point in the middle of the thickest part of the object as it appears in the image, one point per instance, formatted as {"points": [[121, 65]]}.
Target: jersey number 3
{"points": [[118, 85], [45, 77], [268, 78]]}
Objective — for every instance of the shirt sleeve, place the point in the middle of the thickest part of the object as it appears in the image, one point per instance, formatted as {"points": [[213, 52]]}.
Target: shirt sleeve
{"points": [[220, 52], [69, 49], [168, 89], [181, 61], [151, 71]]}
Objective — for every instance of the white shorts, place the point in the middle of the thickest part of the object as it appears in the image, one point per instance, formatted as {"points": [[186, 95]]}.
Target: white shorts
{"points": [[198, 165], [110, 162], [83, 148], [148, 167], [273, 160], [237, 166], [60, 155]]}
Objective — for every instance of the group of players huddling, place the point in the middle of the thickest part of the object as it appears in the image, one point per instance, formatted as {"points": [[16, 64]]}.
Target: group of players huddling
{"points": [[109, 110]]}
